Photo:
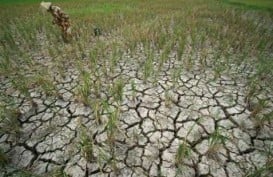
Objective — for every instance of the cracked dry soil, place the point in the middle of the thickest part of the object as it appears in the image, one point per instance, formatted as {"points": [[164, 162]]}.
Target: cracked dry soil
{"points": [[155, 119]]}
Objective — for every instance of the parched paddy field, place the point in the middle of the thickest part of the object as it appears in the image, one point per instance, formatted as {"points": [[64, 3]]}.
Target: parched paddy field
{"points": [[173, 88]]}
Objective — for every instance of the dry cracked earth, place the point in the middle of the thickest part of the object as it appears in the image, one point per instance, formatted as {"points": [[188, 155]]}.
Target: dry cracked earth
{"points": [[208, 117]]}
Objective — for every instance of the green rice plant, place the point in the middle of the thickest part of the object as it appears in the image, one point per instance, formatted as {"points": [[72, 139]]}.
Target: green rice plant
{"points": [[251, 90], [97, 87], [114, 167], [102, 157], [6, 64], [217, 138], [264, 70], [97, 106], [116, 56], [28, 34], [262, 171], [165, 53], [86, 144], [176, 74], [22, 84], [132, 45], [22, 173], [7, 39], [216, 141], [3, 158], [168, 98], [9, 121], [106, 106], [52, 51], [188, 62], [258, 107], [60, 68], [260, 117], [181, 47], [57, 172], [163, 57], [267, 117], [203, 60], [117, 90], [83, 93], [148, 68], [265, 169], [218, 70], [162, 40], [112, 127], [84, 89], [80, 47], [133, 88], [183, 152], [45, 83]]}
